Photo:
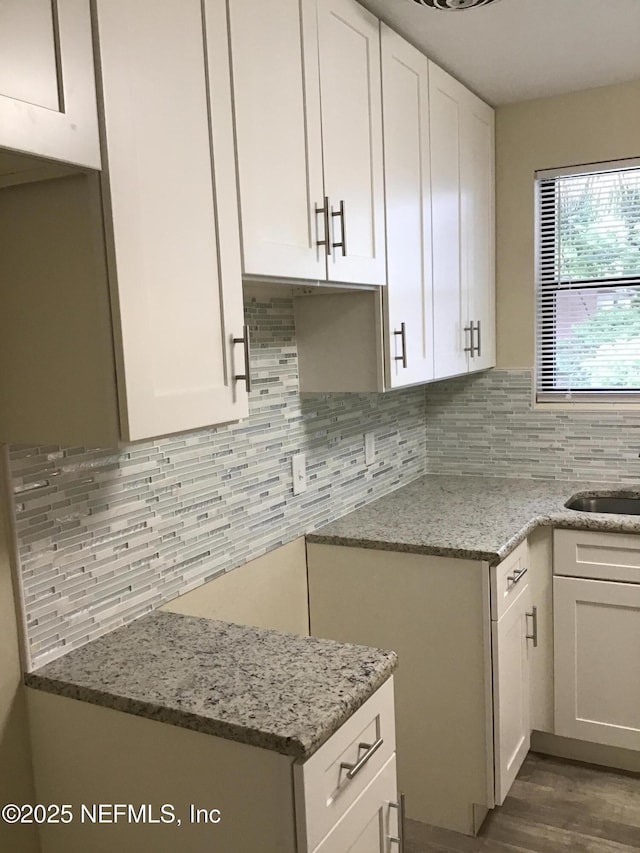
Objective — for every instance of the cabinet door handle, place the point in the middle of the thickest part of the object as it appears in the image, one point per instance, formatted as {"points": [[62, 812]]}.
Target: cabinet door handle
{"points": [[403, 340], [325, 213], [399, 838], [471, 348], [244, 340], [534, 619], [354, 769], [516, 577], [479, 344], [343, 244]]}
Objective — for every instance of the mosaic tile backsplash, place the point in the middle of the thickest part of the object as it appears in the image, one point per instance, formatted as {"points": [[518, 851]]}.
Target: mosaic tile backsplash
{"points": [[104, 535], [485, 424]]}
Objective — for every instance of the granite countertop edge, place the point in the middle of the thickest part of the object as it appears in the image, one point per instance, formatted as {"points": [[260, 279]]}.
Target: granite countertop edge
{"points": [[342, 694], [594, 521], [559, 518]]}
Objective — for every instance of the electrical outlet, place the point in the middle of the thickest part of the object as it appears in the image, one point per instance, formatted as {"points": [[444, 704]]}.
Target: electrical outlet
{"points": [[369, 448], [299, 472]]}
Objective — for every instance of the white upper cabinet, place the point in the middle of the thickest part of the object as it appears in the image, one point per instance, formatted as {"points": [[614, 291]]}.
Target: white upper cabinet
{"points": [[279, 146], [307, 100], [351, 96], [462, 185], [158, 234], [171, 217], [477, 176], [450, 300], [47, 87], [409, 293]]}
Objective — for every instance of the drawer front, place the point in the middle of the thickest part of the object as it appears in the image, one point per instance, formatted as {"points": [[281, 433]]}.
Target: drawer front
{"points": [[508, 579], [372, 821], [324, 787], [601, 556]]}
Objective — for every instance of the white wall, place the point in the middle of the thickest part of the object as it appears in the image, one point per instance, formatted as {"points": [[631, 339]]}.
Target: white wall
{"points": [[16, 782]]}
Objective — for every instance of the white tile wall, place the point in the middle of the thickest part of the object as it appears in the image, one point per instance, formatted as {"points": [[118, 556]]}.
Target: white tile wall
{"points": [[106, 535], [486, 424]]}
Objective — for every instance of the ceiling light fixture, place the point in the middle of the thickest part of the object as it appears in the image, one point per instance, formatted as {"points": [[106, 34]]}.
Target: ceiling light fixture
{"points": [[453, 5]]}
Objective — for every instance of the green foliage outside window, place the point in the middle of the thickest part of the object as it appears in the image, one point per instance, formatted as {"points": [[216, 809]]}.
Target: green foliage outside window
{"points": [[598, 228]]}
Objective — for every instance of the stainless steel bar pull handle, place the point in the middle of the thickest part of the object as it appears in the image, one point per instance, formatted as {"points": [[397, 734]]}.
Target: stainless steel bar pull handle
{"points": [[343, 244], [479, 343], [516, 577], [327, 239], [471, 348], [247, 357], [354, 769], [534, 618], [399, 838], [403, 341]]}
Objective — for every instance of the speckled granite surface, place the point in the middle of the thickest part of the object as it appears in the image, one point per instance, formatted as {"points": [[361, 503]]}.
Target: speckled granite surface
{"points": [[478, 518], [273, 690]]}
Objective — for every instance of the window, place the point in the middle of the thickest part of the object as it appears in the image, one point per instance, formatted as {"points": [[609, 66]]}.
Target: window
{"points": [[588, 283]]}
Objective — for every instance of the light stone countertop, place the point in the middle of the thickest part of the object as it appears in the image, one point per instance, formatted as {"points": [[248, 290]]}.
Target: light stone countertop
{"points": [[477, 518], [281, 692]]}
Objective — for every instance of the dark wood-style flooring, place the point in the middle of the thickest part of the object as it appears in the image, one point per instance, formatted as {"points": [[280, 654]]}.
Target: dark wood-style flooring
{"points": [[554, 806]]}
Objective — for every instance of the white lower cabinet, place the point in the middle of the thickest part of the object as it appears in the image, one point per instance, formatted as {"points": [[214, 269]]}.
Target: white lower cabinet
{"points": [[597, 674], [511, 724], [343, 798], [596, 592], [372, 824], [466, 635]]}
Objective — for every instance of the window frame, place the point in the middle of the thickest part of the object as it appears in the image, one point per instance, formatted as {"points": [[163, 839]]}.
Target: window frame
{"points": [[546, 393]]}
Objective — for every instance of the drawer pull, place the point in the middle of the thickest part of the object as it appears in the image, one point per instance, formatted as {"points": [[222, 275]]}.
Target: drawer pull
{"points": [[324, 210], [354, 769], [343, 243], [517, 576], [534, 619], [399, 838], [403, 339], [244, 340]]}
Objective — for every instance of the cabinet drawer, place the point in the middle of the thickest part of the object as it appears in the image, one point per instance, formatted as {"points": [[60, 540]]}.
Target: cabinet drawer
{"points": [[372, 821], [602, 556], [323, 788], [508, 579]]}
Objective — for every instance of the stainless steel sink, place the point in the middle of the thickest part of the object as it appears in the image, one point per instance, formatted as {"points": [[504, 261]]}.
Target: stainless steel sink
{"points": [[605, 503]]}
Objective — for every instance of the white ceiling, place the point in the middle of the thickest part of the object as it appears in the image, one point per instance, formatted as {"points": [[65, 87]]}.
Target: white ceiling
{"points": [[515, 50]]}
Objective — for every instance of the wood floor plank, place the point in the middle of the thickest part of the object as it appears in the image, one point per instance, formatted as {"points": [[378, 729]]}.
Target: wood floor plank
{"points": [[589, 816], [422, 838], [555, 806], [538, 837]]}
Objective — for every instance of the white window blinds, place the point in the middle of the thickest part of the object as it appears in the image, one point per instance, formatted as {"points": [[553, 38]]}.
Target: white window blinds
{"points": [[588, 283]]}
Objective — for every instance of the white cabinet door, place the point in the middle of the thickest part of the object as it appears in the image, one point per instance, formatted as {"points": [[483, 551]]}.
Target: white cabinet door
{"points": [[477, 177], [47, 87], [409, 293], [462, 180], [371, 822], [449, 295], [597, 661], [278, 138], [512, 731], [173, 247], [541, 654], [351, 96]]}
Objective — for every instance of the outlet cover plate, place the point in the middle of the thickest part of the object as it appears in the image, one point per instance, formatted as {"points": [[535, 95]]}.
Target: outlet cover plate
{"points": [[299, 472]]}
